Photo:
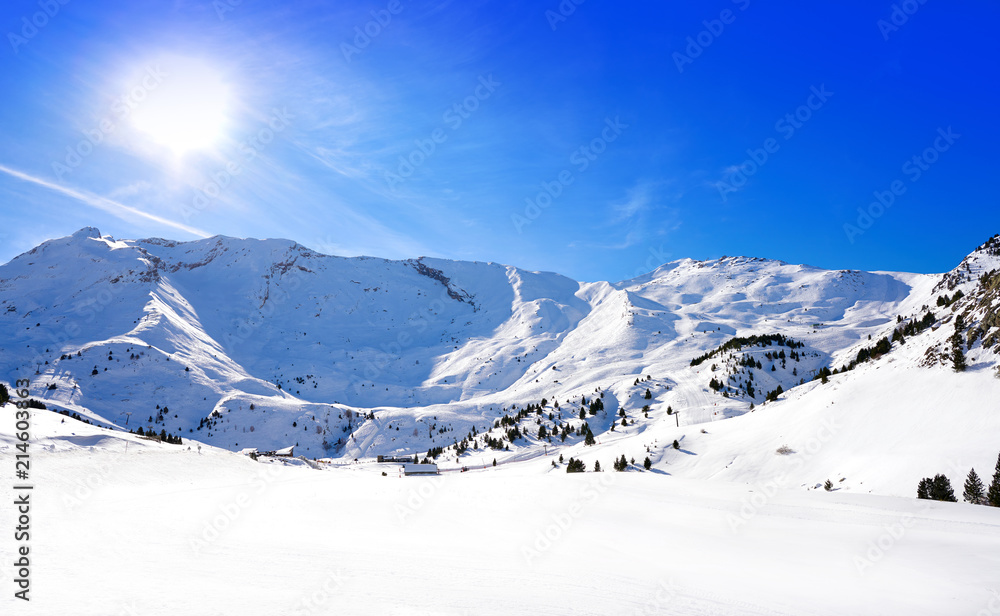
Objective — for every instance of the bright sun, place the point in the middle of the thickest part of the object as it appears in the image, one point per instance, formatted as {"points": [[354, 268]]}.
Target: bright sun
{"points": [[187, 110]]}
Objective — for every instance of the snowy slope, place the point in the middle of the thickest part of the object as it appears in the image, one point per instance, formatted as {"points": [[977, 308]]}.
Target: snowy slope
{"points": [[265, 343], [170, 530]]}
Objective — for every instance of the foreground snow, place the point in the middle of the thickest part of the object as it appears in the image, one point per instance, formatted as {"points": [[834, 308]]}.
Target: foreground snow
{"points": [[171, 530]]}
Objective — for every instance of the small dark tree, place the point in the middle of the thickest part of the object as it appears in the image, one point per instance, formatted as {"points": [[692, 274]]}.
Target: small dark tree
{"points": [[973, 492], [649, 394], [676, 444], [4, 394], [597, 466], [940, 489], [993, 494], [923, 489], [495, 461], [958, 359], [589, 439], [647, 463], [575, 466]]}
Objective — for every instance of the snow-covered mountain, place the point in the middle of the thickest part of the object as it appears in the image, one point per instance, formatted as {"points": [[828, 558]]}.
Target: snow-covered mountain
{"points": [[266, 343]]}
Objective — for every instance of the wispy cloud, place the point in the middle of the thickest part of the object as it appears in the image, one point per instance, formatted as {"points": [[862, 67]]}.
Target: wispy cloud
{"points": [[636, 217], [104, 204]]}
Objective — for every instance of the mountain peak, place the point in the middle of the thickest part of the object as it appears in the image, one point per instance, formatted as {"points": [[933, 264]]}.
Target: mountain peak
{"points": [[87, 233]]}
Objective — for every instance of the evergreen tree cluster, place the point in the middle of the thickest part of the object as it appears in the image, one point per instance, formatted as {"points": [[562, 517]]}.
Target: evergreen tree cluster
{"points": [[75, 416], [977, 494], [163, 436], [576, 466], [740, 342], [773, 394], [944, 301], [883, 346], [621, 464], [938, 488]]}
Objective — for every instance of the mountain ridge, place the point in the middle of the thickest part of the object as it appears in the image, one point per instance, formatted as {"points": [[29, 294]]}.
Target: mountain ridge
{"points": [[266, 343]]}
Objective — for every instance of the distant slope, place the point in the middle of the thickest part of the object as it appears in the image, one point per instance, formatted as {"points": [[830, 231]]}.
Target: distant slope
{"points": [[265, 343]]}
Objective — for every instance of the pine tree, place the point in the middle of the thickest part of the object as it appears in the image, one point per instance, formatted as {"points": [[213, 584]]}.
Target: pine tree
{"points": [[940, 489], [4, 394], [647, 463], [620, 464], [958, 359], [648, 395], [923, 489], [993, 494], [589, 440], [676, 444], [597, 466], [973, 492]]}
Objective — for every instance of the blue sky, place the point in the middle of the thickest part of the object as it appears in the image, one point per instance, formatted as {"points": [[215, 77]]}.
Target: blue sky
{"points": [[593, 139]]}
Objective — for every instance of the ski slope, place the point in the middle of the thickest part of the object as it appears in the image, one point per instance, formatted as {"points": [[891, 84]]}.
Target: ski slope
{"points": [[167, 530]]}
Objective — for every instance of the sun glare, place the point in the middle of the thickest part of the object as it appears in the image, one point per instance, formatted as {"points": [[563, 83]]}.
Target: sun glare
{"points": [[187, 110]]}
